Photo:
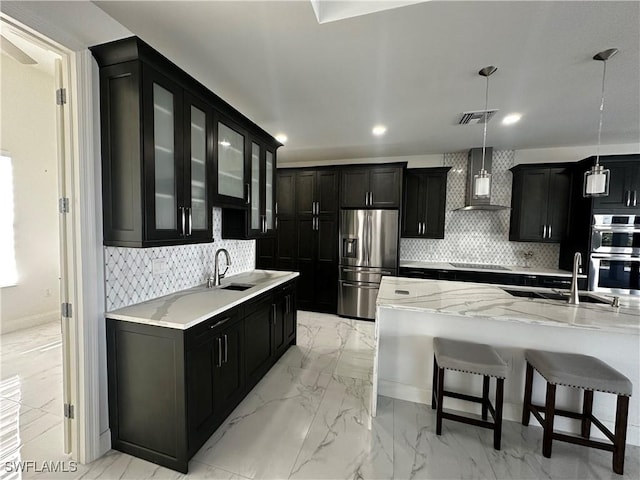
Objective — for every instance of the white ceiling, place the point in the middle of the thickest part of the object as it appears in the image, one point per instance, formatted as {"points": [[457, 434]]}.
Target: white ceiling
{"points": [[412, 68]]}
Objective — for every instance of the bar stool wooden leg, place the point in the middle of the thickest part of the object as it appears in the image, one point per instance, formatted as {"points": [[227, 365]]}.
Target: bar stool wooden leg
{"points": [[440, 401], [485, 396], [620, 435], [549, 413], [528, 386], [497, 428], [434, 384], [587, 408]]}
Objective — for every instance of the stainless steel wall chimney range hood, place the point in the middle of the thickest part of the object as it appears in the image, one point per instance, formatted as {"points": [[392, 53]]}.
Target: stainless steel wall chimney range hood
{"points": [[473, 167]]}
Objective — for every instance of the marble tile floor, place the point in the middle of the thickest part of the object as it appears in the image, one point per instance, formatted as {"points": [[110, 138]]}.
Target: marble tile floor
{"points": [[307, 419]]}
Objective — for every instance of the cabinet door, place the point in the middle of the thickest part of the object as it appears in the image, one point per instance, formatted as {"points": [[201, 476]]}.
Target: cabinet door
{"points": [[256, 224], [285, 193], [201, 364], [558, 210], [290, 316], [385, 187], [305, 192], [326, 265], [435, 198], [621, 187], [163, 164], [354, 188], [266, 251], [287, 243], [327, 188], [232, 172], [279, 326], [198, 157], [529, 209], [269, 191], [306, 260], [257, 339], [412, 207], [229, 376]]}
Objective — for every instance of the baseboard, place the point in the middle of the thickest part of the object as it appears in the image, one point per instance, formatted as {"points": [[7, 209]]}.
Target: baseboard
{"points": [[511, 411], [8, 326]]}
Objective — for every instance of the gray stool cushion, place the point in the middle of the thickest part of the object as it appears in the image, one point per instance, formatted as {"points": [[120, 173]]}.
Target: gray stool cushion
{"points": [[579, 371], [469, 357]]}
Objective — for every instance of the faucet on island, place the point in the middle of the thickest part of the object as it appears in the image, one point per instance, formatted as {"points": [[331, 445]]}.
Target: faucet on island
{"points": [[574, 298], [214, 280]]}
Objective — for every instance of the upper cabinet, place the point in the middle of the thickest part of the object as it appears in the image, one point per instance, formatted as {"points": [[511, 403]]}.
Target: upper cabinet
{"points": [[540, 202], [371, 187], [624, 185], [171, 150], [423, 206]]}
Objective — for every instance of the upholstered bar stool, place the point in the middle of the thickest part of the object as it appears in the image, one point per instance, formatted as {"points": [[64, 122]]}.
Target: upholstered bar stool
{"points": [[477, 359], [589, 374]]}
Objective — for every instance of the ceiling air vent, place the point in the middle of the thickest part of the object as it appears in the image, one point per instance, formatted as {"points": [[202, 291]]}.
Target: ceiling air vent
{"points": [[473, 118]]}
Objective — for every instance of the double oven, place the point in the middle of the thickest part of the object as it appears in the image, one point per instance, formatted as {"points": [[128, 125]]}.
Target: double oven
{"points": [[614, 259]]}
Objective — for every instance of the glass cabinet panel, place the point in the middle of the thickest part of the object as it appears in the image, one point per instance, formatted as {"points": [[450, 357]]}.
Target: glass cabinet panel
{"points": [[198, 169], [269, 167], [230, 162], [255, 187], [164, 156]]}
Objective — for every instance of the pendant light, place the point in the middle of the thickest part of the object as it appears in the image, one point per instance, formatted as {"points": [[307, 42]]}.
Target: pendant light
{"points": [[482, 180], [596, 179]]}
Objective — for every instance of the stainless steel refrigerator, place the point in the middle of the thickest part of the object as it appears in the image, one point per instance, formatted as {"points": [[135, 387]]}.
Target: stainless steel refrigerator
{"points": [[368, 250]]}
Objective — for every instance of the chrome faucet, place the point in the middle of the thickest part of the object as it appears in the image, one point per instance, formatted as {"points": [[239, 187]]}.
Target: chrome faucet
{"points": [[215, 281], [574, 298]]}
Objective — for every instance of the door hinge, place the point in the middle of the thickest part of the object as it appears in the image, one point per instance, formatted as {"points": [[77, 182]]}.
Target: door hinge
{"points": [[66, 310], [63, 205], [61, 96], [68, 410]]}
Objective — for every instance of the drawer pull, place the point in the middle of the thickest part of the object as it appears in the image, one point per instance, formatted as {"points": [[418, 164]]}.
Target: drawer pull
{"points": [[221, 322]]}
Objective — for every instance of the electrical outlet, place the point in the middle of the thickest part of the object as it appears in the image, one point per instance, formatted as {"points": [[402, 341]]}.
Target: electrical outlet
{"points": [[159, 266]]}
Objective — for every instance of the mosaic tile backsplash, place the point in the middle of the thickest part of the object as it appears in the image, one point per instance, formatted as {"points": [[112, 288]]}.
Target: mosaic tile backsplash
{"points": [[479, 236], [129, 276]]}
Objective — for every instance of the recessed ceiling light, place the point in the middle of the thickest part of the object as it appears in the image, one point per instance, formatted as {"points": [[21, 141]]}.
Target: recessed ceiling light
{"points": [[282, 138], [511, 119], [379, 130]]}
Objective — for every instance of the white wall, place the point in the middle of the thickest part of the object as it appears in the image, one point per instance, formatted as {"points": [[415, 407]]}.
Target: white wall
{"points": [[28, 135]]}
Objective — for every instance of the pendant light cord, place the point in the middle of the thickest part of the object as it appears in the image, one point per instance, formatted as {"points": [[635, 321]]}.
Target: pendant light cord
{"points": [[604, 74], [486, 106]]}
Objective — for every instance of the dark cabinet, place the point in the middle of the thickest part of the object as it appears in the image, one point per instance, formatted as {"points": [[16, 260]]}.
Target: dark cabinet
{"points": [[371, 187], [170, 389], [424, 201], [171, 150], [540, 202], [624, 185]]}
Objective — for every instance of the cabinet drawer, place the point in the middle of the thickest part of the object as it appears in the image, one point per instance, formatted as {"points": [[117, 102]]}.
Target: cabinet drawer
{"points": [[204, 331]]}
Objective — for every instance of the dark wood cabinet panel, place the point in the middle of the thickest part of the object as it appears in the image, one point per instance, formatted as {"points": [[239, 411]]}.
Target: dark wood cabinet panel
{"points": [[192, 379], [327, 188], [424, 201], [624, 185], [540, 202], [371, 187], [285, 193], [305, 192]]}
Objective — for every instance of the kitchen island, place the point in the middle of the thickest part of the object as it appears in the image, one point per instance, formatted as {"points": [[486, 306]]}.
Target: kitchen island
{"points": [[410, 312]]}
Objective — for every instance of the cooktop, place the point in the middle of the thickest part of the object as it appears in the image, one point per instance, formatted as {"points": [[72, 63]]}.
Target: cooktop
{"points": [[484, 266]]}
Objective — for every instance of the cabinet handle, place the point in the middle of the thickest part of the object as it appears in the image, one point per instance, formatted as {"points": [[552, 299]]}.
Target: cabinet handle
{"points": [[219, 352], [226, 349], [190, 218], [544, 231], [370, 198], [550, 231], [288, 303], [183, 220], [276, 208], [635, 198], [248, 193], [273, 309], [627, 198], [221, 322], [275, 226]]}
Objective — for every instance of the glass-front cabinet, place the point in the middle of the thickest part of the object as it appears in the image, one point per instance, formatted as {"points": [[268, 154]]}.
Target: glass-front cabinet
{"points": [[233, 186], [269, 191], [255, 214]]}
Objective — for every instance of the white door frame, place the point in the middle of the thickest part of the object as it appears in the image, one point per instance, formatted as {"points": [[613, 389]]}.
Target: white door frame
{"points": [[85, 265]]}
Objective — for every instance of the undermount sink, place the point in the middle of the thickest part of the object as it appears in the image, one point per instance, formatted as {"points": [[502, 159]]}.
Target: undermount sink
{"points": [[586, 298], [241, 287]]}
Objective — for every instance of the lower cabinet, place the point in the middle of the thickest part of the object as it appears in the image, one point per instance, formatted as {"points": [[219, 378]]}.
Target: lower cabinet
{"points": [[170, 389]]}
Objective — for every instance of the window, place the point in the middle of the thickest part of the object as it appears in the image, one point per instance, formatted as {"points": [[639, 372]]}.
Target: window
{"points": [[8, 273]]}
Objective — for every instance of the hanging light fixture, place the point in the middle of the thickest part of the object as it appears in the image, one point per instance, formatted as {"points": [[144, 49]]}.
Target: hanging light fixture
{"points": [[482, 180], [596, 179]]}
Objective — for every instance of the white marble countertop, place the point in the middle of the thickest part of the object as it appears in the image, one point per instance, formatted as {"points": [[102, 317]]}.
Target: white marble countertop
{"points": [[186, 308], [513, 269], [491, 301]]}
